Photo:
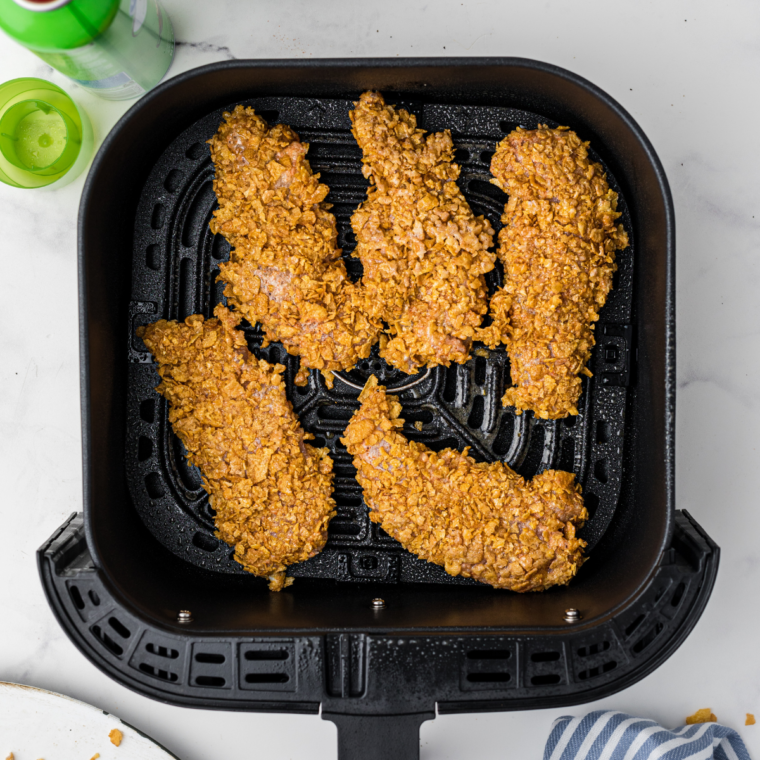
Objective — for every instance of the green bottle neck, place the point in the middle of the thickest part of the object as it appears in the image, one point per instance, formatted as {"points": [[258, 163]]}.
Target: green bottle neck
{"points": [[69, 26]]}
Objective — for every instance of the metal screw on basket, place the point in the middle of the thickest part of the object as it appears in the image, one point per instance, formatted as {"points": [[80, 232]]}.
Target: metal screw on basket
{"points": [[185, 616], [378, 604], [572, 615]]}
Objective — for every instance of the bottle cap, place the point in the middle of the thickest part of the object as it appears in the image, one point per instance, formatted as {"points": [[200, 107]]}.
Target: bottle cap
{"points": [[44, 137]]}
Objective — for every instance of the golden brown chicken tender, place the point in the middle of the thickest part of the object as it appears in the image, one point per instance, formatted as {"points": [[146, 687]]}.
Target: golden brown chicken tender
{"points": [[480, 521], [285, 269], [271, 491], [423, 251], [558, 249]]}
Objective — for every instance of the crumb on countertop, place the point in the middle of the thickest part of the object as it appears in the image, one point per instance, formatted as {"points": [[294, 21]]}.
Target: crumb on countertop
{"points": [[705, 715], [95, 756], [116, 736], [10, 757], [750, 720]]}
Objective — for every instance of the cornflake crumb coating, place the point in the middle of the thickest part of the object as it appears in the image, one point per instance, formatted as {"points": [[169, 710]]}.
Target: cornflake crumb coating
{"points": [[478, 520], [285, 269], [270, 490], [558, 249], [705, 715], [423, 250]]}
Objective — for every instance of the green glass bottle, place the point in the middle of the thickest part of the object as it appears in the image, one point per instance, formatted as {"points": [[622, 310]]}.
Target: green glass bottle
{"points": [[117, 49]]}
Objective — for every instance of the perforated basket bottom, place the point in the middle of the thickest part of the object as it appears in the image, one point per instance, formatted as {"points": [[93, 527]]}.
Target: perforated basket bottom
{"points": [[175, 265]]}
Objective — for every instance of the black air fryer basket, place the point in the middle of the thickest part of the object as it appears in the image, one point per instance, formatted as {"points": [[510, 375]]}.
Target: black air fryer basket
{"points": [[118, 576]]}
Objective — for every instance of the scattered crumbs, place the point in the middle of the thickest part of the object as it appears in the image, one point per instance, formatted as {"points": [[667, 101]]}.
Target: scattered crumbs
{"points": [[95, 756], [750, 720], [10, 757], [418, 425], [481, 352], [705, 715], [115, 736]]}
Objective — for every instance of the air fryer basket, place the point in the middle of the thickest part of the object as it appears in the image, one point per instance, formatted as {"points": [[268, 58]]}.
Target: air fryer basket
{"points": [[145, 548], [174, 274]]}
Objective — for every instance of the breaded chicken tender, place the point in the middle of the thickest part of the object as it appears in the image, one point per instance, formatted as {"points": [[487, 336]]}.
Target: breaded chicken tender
{"points": [[477, 520], [558, 249], [285, 269], [423, 250], [270, 490]]}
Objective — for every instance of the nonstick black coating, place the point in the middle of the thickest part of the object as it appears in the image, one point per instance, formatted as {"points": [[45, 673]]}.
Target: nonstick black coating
{"points": [[174, 274]]}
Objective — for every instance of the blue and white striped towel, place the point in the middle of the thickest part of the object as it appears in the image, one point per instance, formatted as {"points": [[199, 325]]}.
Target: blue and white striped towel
{"points": [[606, 735]]}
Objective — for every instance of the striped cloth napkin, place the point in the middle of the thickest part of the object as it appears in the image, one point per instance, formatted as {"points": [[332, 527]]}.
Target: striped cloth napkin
{"points": [[608, 735]]}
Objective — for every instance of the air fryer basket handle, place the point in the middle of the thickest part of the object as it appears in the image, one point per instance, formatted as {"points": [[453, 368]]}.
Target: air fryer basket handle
{"points": [[158, 660], [378, 737]]}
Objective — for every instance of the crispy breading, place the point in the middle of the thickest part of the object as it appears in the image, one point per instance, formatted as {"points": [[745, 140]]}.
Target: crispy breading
{"points": [[271, 491], [285, 269], [115, 736], [423, 250], [705, 715], [558, 249], [477, 520]]}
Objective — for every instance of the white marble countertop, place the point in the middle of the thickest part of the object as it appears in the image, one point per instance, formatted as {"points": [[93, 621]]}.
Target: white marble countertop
{"points": [[688, 72]]}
